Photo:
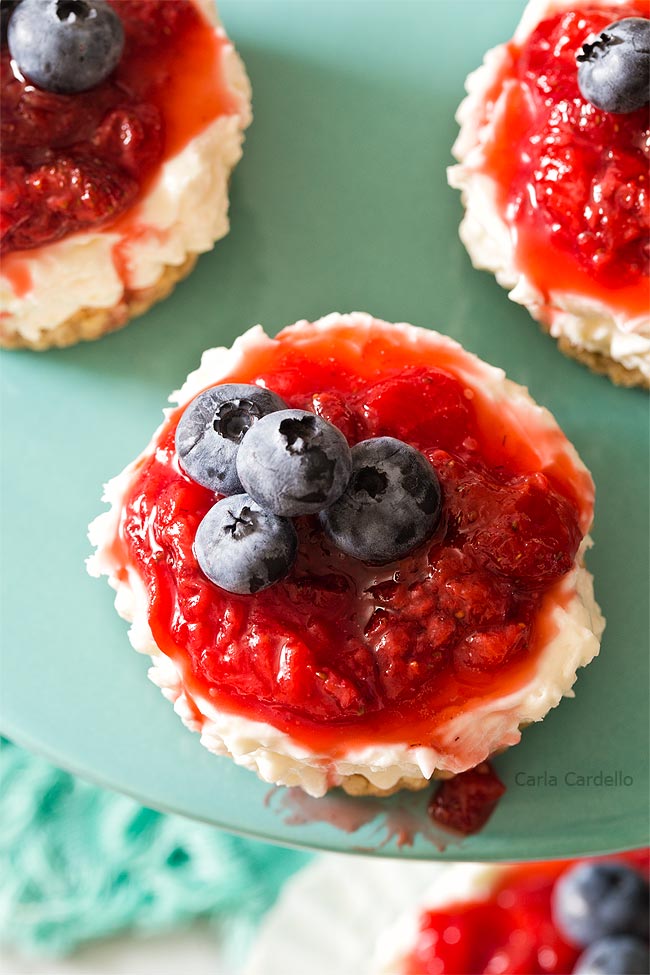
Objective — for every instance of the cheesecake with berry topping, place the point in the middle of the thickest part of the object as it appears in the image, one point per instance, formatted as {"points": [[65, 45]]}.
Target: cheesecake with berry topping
{"points": [[121, 123], [553, 171], [588, 917], [355, 555]]}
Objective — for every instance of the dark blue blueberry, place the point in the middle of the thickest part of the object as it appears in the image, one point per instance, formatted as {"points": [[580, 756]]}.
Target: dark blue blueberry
{"points": [[620, 955], [594, 900], [242, 548], [391, 505], [614, 70], [213, 426], [65, 46], [7, 7], [294, 463]]}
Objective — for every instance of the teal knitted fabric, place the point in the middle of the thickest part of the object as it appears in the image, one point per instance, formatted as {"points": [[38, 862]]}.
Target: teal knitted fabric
{"points": [[78, 862]]}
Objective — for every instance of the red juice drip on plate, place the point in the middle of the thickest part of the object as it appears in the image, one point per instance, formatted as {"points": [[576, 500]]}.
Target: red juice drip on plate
{"points": [[466, 802], [401, 818]]}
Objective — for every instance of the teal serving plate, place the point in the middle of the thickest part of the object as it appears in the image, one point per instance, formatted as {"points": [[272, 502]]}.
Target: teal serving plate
{"points": [[340, 203]]}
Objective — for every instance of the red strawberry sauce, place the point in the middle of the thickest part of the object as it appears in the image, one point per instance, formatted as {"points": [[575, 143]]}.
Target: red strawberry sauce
{"points": [[573, 180], [83, 161], [511, 932], [341, 653]]}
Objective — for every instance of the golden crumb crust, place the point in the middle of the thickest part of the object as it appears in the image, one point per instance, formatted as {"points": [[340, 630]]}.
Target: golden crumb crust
{"points": [[603, 364], [358, 785], [88, 324]]}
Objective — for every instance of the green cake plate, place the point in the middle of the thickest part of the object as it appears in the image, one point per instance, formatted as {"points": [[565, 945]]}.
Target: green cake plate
{"points": [[340, 203]]}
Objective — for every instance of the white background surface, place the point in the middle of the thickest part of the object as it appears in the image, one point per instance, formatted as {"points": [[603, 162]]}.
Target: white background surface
{"points": [[194, 951]]}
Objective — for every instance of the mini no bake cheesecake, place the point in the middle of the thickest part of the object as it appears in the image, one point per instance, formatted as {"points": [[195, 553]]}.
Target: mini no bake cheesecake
{"points": [[586, 917], [553, 169], [115, 163], [354, 553]]}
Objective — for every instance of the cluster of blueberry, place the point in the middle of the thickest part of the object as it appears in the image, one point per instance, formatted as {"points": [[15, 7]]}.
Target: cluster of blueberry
{"points": [[614, 70], [603, 907], [63, 46], [377, 501]]}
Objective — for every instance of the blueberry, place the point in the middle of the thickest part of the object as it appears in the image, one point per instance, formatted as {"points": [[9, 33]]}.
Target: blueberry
{"points": [[621, 955], [7, 7], [294, 463], [212, 427], [65, 46], [614, 70], [242, 548], [593, 900], [391, 505]]}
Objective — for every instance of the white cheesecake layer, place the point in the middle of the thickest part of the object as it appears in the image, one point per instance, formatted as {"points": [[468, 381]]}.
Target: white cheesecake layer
{"points": [[587, 323], [576, 623], [184, 213]]}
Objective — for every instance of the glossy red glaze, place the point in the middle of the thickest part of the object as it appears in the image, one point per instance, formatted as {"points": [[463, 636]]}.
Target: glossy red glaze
{"points": [[573, 180], [339, 652], [511, 932], [76, 162]]}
